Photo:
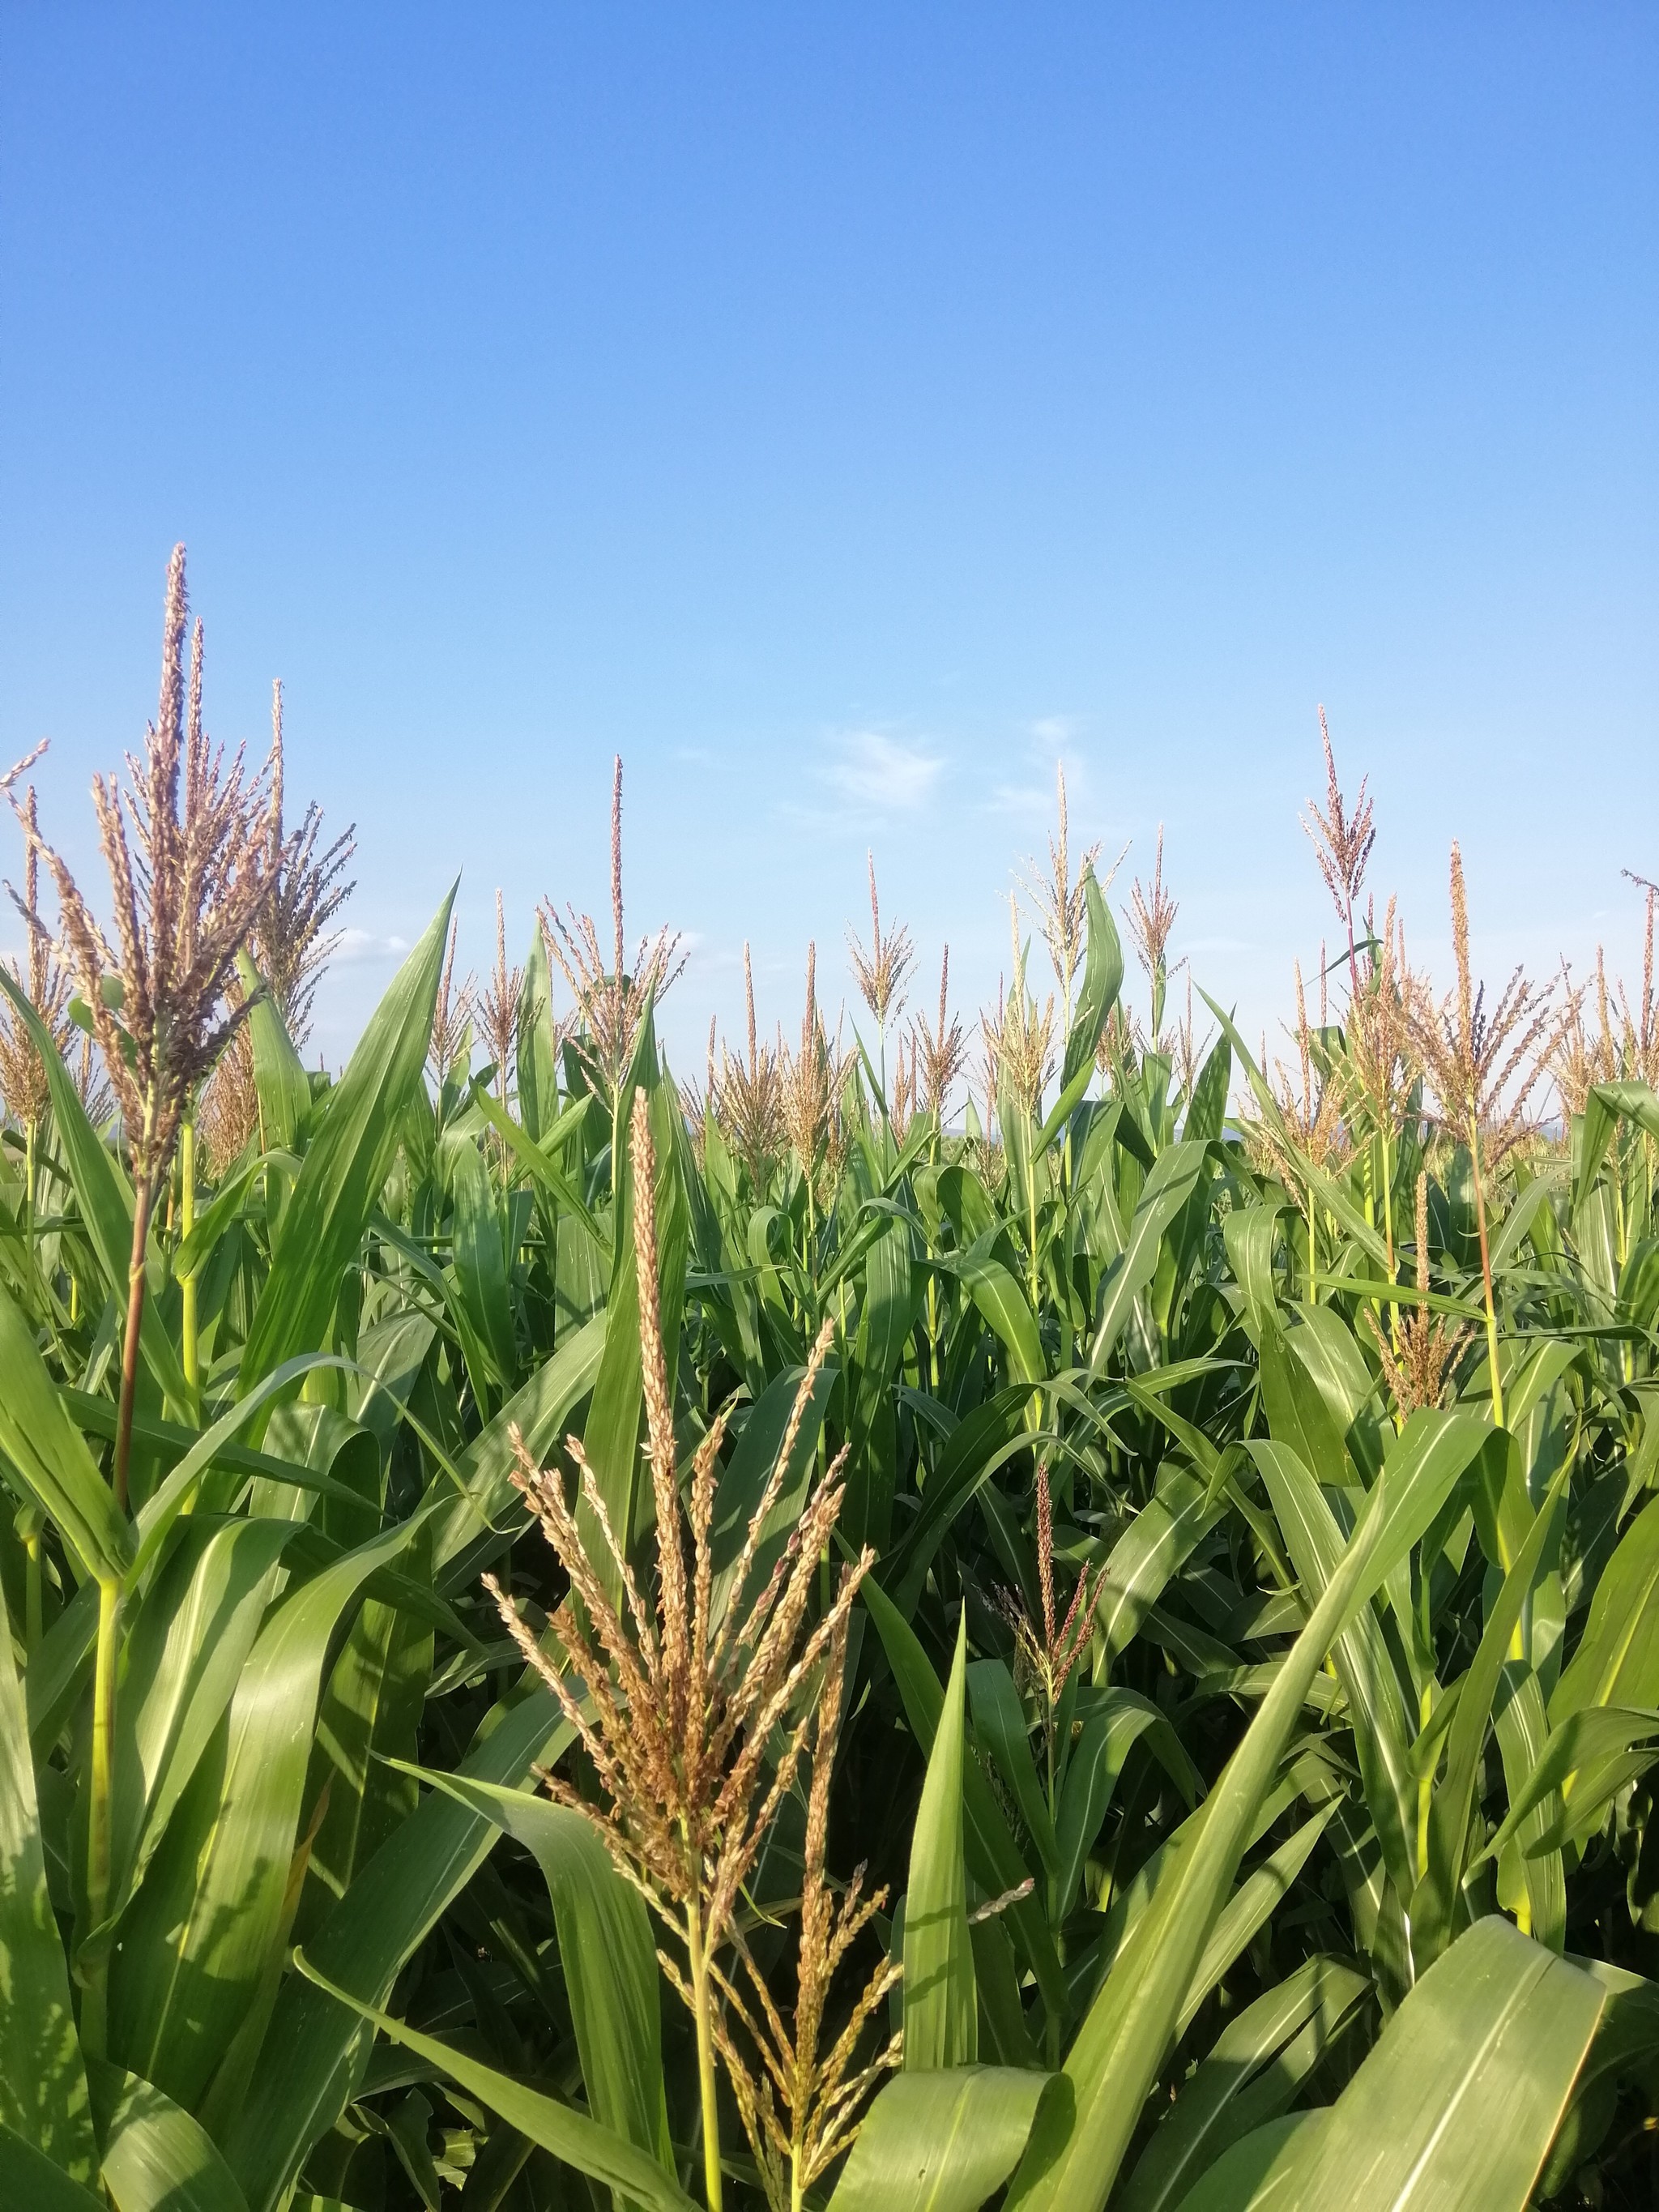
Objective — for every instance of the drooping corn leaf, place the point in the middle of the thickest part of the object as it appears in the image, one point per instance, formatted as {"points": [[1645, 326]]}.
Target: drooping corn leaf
{"points": [[49, 1458], [104, 1195], [607, 1954], [315, 2048], [568, 2134]]}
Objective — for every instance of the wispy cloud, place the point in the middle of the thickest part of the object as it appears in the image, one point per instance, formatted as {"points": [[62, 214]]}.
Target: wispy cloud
{"points": [[1021, 798], [881, 773]]}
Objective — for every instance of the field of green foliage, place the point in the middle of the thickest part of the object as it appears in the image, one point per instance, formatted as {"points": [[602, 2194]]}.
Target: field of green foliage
{"points": [[1036, 1612]]}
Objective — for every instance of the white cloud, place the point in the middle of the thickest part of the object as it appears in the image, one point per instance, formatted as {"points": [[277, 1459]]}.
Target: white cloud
{"points": [[878, 772], [1054, 734], [360, 944]]}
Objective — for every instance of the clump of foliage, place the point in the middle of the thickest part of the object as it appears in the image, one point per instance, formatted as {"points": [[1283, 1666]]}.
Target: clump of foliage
{"points": [[1095, 1644]]}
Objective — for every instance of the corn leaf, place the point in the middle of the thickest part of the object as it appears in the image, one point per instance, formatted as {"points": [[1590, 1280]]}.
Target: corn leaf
{"points": [[48, 1458], [313, 2045], [1074, 2156], [183, 1657], [1458, 2100], [992, 1855], [43, 2085], [34, 2183], [940, 2142], [941, 2015], [104, 1194], [607, 1954], [195, 1943], [1435, 1899], [1172, 1182], [1617, 1662], [157, 2157], [279, 1076], [351, 1149], [1246, 2079]]}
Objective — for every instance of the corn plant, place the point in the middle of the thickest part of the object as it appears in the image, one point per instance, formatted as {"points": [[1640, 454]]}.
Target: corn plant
{"points": [[811, 1641]]}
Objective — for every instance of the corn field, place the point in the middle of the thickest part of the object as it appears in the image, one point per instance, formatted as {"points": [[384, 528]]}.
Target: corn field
{"points": [[1048, 1611]]}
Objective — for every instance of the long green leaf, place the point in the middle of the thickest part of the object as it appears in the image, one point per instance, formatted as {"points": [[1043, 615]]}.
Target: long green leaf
{"points": [[1148, 1552], [157, 2157], [184, 1656], [1249, 1909], [196, 1942], [1459, 2100], [993, 1857], [351, 1149], [368, 1718], [1001, 1725], [33, 2183], [279, 1076], [1243, 2082], [1435, 1902], [1584, 1740], [1382, 1726], [940, 2142], [1617, 1662], [1073, 2158], [1004, 1307], [479, 1253], [941, 2014], [1172, 1182], [1258, 2173]]}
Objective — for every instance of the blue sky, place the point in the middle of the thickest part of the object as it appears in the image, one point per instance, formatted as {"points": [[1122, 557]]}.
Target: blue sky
{"points": [[843, 413]]}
